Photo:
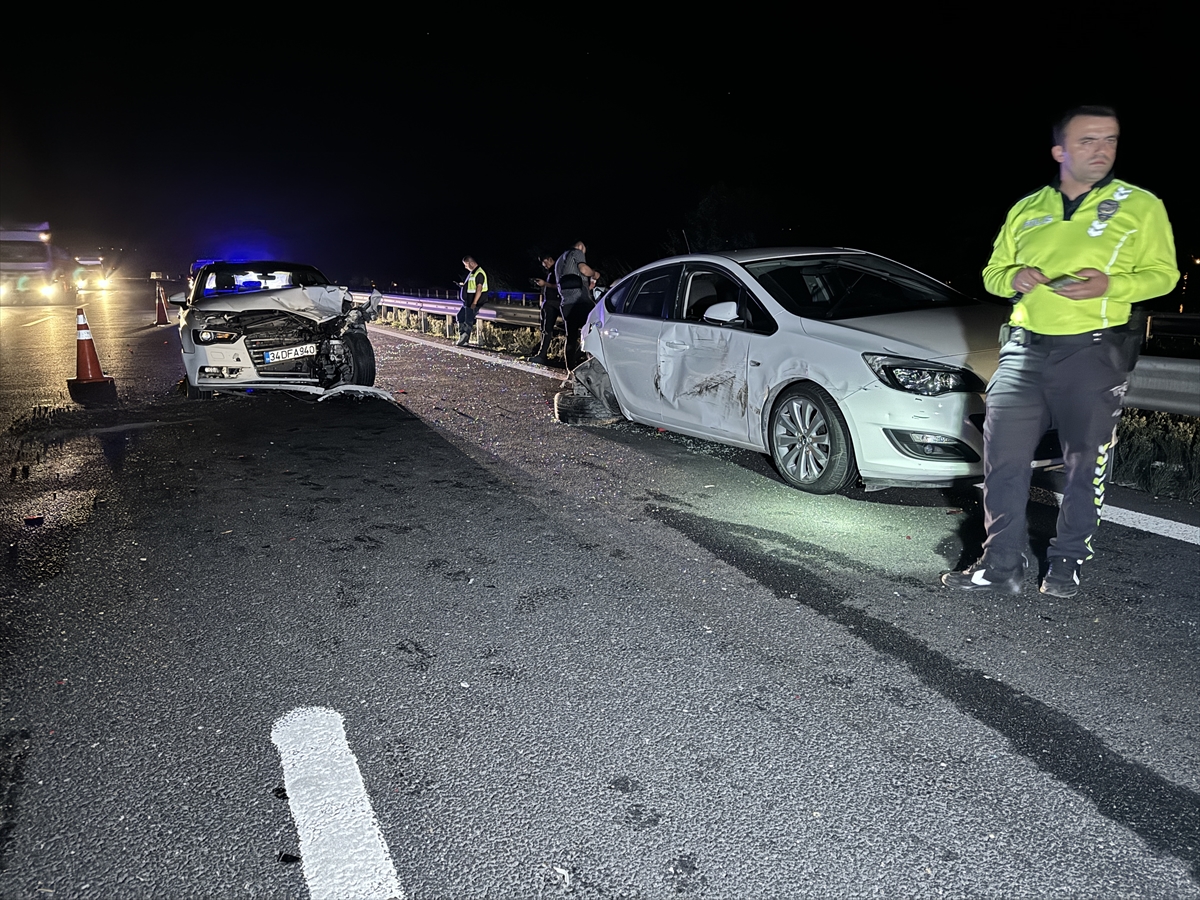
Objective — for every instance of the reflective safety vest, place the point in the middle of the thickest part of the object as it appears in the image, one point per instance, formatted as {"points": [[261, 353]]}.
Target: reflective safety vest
{"points": [[1119, 229], [476, 278]]}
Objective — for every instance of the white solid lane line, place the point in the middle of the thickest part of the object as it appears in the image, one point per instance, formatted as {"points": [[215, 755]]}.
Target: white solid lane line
{"points": [[1130, 519], [341, 847], [544, 371], [38, 321]]}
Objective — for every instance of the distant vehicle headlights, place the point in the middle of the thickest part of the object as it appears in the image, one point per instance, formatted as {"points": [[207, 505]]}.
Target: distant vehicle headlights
{"points": [[212, 336], [48, 290], [102, 284], [81, 284], [918, 376]]}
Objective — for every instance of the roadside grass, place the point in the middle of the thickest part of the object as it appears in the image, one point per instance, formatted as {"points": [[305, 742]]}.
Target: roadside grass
{"points": [[519, 342], [1156, 452], [1159, 453]]}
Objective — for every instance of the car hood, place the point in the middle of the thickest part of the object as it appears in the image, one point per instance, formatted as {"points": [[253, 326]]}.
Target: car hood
{"points": [[962, 335], [321, 303]]}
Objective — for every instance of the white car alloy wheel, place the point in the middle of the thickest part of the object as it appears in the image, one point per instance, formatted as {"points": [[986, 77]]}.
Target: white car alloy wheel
{"points": [[810, 444]]}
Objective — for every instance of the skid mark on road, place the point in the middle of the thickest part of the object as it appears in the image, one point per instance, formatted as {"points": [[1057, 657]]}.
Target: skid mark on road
{"points": [[344, 854]]}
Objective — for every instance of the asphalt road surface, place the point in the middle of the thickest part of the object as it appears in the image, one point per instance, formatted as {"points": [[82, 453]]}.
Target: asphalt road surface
{"points": [[448, 647]]}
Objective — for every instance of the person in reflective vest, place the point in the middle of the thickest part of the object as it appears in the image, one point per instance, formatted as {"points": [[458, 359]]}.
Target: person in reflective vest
{"points": [[470, 292]]}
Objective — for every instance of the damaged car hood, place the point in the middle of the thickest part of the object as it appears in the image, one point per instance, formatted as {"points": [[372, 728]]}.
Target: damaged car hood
{"points": [[320, 303]]}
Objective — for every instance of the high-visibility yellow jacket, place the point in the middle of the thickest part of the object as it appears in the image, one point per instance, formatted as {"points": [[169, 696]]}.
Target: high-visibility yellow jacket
{"points": [[1118, 228]]}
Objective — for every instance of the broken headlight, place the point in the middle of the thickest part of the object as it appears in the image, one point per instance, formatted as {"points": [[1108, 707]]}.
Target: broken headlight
{"points": [[213, 336]]}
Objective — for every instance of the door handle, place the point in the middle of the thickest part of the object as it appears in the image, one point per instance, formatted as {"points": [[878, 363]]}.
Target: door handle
{"points": [[676, 345], [755, 362]]}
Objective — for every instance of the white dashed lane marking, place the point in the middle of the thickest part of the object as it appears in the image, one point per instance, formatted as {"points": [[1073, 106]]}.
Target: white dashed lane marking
{"points": [[344, 854]]}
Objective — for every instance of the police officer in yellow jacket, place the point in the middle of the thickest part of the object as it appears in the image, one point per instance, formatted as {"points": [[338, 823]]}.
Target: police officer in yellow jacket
{"points": [[1074, 257], [471, 293]]}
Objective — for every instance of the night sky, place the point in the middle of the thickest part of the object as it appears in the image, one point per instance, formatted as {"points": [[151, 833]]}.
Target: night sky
{"points": [[390, 163]]}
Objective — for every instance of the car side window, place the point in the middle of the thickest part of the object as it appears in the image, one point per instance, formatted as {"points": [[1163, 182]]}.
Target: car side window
{"points": [[614, 299], [706, 288], [754, 315], [654, 294]]}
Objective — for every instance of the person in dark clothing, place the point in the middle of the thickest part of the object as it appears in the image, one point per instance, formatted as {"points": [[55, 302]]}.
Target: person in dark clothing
{"points": [[551, 309], [575, 282]]}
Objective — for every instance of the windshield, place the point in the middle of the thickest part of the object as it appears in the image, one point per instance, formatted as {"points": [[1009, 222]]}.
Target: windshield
{"points": [[847, 287], [241, 278], [24, 252]]}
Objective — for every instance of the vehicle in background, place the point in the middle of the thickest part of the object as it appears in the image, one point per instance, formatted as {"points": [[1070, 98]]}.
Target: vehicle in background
{"points": [[269, 325], [32, 269], [91, 274]]}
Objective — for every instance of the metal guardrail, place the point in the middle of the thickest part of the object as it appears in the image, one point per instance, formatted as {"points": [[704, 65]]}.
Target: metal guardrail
{"points": [[501, 307], [1156, 383], [1165, 384]]}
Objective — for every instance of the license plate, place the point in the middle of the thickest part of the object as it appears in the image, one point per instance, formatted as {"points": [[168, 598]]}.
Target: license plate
{"points": [[274, 356]]}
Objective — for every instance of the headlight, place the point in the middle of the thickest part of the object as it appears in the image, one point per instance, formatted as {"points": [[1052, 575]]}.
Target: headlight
{"points": [[212, 336], [47, 290], [918, 376], [81, 284], [102, 284]]}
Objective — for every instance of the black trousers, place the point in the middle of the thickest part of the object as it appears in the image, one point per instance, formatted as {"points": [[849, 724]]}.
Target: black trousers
{"points": [[1074, 383], [551, 313], [577, 303]]}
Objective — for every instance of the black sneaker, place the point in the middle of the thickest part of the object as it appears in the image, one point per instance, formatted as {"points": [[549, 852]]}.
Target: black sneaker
{"points": [[1062, 578], [538, 360], [981, 577], [463, 338]]}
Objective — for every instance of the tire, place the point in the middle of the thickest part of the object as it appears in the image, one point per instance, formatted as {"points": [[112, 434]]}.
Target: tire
{"points": [[361, 356], [195, 393], [571, 408], [809, 441]]}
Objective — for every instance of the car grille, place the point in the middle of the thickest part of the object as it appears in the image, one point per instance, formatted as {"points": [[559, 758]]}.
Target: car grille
{"points": [[287, 369]]}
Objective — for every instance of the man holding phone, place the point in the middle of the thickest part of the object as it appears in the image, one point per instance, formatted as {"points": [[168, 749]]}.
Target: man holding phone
{"points": [[1073, 257]]}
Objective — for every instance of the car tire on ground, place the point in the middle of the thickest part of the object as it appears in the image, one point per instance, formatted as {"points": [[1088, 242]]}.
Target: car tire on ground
{"points": [[809, 441], [571, 408], [362, 358], [195, 393]]}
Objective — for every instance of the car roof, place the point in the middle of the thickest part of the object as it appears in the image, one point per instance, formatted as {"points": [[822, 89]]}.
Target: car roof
{"points": [[758, 253], [265, 264], [761, 253]]}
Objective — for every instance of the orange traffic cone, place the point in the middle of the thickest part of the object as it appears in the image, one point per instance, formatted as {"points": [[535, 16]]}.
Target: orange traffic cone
{"points": [[90, 384], [160, 308]]}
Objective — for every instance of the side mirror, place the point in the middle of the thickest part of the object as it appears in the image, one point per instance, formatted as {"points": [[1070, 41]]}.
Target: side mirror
{"points": [[179, 299], [723, 313]]}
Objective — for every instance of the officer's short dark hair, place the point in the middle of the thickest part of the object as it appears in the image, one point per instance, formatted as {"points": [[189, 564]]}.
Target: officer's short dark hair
{"points": [[1060, 127]]}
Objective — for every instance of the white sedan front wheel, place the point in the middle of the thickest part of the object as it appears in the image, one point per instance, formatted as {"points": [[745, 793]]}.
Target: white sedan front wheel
{"points": [[810, 443]]}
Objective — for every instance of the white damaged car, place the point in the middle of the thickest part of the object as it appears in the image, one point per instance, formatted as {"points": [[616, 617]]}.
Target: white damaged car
{"points": [[839, 364], [268, 325]]}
